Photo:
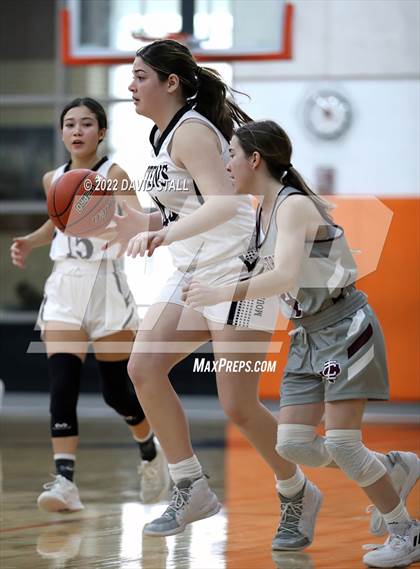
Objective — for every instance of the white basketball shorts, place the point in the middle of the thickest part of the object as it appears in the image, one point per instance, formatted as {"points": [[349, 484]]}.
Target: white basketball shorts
{"points": [[92, 295]]}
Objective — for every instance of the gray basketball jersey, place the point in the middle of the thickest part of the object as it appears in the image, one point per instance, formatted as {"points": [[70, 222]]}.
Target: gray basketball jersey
{"points": [[327, 273]]}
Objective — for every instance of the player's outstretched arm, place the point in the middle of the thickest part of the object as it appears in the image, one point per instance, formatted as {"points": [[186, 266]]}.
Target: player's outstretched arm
{"points": [[196, 149], [126, 195], [131, 219], [22, 246], [292, 219]]}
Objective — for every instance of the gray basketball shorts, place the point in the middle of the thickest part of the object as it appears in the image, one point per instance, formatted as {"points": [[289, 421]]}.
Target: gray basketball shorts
{"points": [[343, 361]]}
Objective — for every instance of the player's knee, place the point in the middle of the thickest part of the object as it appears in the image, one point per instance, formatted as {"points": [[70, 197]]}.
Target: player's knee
{"points": [[355, 460], [118, 391], [64, 371], [137, 370], [141, 369], [236, 412], [300, 444], [115, 382], [145, 369]]}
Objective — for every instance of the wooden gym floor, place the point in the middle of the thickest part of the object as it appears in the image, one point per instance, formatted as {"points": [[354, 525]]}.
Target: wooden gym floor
{"points": [[107, 534]]}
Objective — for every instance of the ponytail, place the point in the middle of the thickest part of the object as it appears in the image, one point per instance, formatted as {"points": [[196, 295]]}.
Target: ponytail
{"points": [[211, 100], [294, 179], [202, 87]]}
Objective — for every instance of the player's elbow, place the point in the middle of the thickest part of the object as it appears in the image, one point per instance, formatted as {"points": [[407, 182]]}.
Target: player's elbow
{"points": [[284, 279]]}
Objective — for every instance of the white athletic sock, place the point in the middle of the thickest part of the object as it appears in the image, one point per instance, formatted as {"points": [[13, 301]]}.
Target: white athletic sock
{"points": [[64, 455], [291, 486], [396, 516], [189, 468]]}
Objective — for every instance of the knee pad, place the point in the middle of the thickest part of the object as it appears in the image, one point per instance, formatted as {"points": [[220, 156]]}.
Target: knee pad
{"points": [[118, 391], [64, 371], [355, 460], [301, 445]]}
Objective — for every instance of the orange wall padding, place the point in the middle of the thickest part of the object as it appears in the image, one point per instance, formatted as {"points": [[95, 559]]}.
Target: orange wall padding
{"points": [[393, 288]]}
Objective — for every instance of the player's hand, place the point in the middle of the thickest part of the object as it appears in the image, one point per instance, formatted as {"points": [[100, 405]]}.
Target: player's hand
{"points": [[19, 251], [147, 241], [196, 294], [124, 227]]}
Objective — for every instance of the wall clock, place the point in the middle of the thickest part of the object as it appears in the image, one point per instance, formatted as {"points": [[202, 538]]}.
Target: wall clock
{"points": [[327, 114]]}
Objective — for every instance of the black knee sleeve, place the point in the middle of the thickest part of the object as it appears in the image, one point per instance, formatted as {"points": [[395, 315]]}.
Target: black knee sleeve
{"points": [[118, 391], [64, 371]]}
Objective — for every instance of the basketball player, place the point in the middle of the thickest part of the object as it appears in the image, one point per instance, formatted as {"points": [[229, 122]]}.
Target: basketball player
{"points": [[87, 299], [187, 180], [337, 356]]}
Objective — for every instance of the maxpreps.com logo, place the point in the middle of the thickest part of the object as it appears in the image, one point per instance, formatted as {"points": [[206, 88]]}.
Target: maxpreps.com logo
{"points": [[331, 370]]}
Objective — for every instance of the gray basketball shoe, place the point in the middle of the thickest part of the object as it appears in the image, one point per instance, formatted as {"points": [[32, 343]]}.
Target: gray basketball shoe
{"points": [[191, 500], [298, 517]]}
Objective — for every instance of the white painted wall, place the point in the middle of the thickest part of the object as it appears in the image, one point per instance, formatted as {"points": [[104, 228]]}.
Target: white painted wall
{"points": [[379, 154], [369, 51], [347, 38]]}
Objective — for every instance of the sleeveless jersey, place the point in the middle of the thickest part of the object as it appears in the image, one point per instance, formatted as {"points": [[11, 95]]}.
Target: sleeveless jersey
{"points": [[65, 247], [215, 255], [327, 272]]}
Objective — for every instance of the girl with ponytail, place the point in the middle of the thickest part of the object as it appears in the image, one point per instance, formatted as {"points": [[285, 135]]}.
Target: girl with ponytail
{"points": [[208, 229], [337, 357]]}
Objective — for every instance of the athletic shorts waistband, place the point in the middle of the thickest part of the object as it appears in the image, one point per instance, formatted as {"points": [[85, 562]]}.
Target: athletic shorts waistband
{"points": [[82, 266], [334, 313]]}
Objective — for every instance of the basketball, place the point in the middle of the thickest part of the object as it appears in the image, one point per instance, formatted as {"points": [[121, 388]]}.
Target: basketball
{"points": [[79, 204]]}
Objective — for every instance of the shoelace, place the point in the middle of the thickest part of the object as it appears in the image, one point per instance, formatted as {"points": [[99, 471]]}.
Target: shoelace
{"points": [[395, 541], [299, 330], [290, 514], [180, 497], [55, 482]]}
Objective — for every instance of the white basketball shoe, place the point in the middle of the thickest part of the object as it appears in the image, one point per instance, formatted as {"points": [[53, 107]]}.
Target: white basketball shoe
{"points": [[404, 471], [154, 478], [60, 495], [400, 549]]}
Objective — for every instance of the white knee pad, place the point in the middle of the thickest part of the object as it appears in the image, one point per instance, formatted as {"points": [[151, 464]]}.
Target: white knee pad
{"points": [[355, 460], [301, 444]]}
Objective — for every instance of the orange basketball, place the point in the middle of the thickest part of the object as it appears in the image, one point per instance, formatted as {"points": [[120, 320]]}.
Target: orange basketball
{"points": [[80, 204]]}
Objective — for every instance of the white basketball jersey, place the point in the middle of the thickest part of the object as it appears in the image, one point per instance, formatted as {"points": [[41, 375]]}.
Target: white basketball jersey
{"points": [[66, 247], [215, 253]]}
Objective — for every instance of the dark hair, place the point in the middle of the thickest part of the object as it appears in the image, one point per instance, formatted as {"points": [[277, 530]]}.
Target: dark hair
{"points": [[202, 87], [96, 108], [273, 144]]}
